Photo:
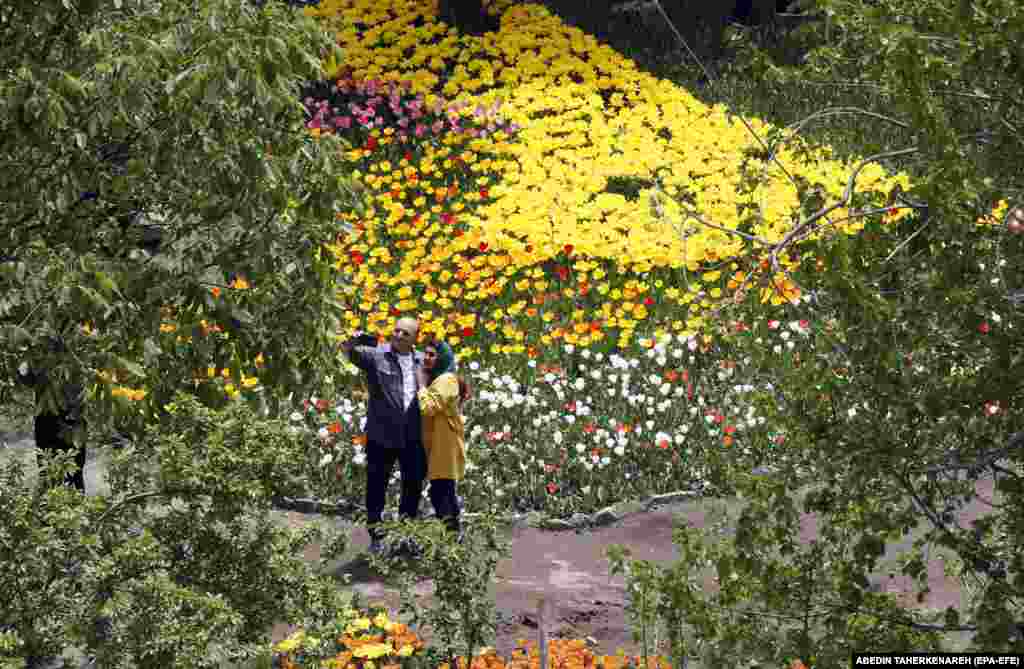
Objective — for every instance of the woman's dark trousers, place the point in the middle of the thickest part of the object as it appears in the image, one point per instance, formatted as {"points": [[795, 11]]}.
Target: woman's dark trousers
{"points": [[446, 506]]}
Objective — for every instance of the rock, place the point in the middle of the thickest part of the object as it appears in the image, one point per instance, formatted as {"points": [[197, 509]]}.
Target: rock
{"points": [[305, 505], [514, 519], [533, 518], [624, 509], [670, 498], [556, 525], [579, 520], [606, 516]]}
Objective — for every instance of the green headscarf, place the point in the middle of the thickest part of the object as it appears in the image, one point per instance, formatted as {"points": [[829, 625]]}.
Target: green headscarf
{"points": [[445, 359]]}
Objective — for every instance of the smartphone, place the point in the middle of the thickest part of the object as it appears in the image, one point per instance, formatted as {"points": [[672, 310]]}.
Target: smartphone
{"points": [[366, 339]]}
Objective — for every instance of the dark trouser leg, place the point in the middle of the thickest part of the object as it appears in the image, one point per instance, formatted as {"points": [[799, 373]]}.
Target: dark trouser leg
{"points": [[48, 428], [380, 462], [413, 464], [442, 496]]}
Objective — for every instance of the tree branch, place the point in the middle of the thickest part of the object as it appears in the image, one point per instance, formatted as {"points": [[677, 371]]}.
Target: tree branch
{"points": [[139, 497], [985, 459]]}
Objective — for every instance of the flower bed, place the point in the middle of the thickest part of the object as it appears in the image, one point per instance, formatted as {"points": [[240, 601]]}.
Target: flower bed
{"points": [[533, 199], [374, 640]]}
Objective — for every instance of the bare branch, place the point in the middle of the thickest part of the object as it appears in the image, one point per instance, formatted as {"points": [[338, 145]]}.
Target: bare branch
{"points": [[711, 83], [137, 498], [807, 227], [843, 111], [906, 241], [985, 460]]}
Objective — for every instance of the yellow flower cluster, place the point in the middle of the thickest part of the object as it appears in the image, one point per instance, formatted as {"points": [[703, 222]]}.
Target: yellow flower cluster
{"points": [[365, 640], [553, 247], [997, 214], [133, 394]]}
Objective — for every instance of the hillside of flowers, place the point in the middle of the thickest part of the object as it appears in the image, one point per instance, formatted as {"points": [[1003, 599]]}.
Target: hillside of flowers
{"points": [[544, 206], [532, 186], [569, 223]]}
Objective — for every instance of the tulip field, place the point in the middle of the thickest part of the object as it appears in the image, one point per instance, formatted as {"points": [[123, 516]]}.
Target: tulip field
{"points": [[569, 224]]}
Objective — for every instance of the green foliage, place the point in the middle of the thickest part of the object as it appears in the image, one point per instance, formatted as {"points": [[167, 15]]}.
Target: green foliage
{"points": [[204, 575], [148, 153], [462, 618], [127, 124], [895, 384]]}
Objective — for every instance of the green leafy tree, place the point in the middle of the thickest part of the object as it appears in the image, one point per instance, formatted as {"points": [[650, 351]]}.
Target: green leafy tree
{"points": [[173, 125], [895, 385], [164, 212]]}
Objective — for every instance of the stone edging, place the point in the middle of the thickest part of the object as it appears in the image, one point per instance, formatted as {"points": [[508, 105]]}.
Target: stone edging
{"points": [[536, 519]]}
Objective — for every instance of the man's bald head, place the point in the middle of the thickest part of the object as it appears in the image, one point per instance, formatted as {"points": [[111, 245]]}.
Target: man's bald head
{"points": [[404, 335]]}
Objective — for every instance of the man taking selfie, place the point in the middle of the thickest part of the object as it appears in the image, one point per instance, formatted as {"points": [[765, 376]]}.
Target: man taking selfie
{"points": [[393, 429]]}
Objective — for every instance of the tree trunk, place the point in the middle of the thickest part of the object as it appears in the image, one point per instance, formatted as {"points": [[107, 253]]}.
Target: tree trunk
{"points": [[701, 23], [466, 16], [590, 16]]}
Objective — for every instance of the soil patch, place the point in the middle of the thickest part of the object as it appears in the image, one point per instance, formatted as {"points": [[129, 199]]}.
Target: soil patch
{"points": [[571, 570]]}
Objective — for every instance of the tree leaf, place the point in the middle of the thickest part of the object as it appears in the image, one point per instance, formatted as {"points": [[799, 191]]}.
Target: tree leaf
{"points": [[133, 368]]}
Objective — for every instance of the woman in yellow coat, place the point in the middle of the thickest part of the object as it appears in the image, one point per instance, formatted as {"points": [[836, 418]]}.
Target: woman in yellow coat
{"points": [[440, 397]]}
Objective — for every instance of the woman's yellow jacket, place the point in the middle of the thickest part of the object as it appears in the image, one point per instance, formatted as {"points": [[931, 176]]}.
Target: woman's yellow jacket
{"points": [[443, 428]]}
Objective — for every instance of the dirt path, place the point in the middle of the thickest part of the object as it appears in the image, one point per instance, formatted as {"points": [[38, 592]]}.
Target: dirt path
{"points": [[572, 570]]}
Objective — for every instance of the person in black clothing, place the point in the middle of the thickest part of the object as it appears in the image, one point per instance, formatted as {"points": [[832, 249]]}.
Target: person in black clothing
{"points": [[54, 431]]}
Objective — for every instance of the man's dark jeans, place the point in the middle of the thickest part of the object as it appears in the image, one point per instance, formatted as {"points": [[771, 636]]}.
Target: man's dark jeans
{"points": [[380, 462]]}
